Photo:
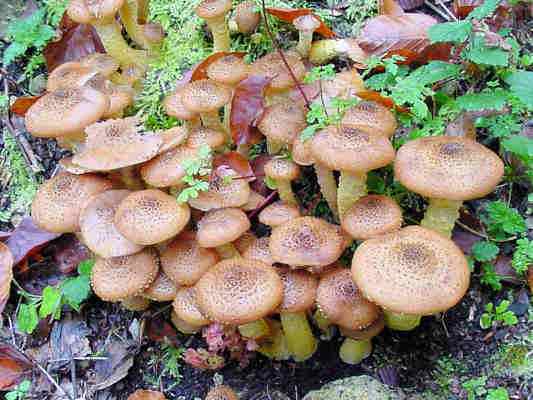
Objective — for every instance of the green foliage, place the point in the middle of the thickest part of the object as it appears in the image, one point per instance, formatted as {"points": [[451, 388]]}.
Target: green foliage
{"points": [[475, 387], [320, 73], [502, 221], [489, 99], [490, 278], [171, 359], [196, 170], [165, 365], [520, 83], [356, 14], [55, 10], [484, 251], [499, 315], [523, 255], [498, 394], [20, 391]]}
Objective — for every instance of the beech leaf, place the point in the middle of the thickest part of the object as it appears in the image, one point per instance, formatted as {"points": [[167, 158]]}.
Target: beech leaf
{"points": [[289, 15], [13, 365], [6, 274], [464, 7], [258, 167], [237, 162], [200, 71], [22, 104], [372, 95]]}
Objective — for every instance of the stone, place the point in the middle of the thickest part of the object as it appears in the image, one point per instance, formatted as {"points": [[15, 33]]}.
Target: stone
{"points": [[356, 388]]}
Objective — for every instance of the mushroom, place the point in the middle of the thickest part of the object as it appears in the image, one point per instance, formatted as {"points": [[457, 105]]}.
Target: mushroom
{"points": [[161, 289], [275, 345], [278, 213], [59, 201], [325, 50], [6, 269], [73, 74], [244, 241], [135, 303], [255, 201], [371, 117], [202, 136], [188, 317], [146, 395], [228, 70], [246, 17], [448, 170], [120, 97], [221, 392], [172, 138], [150, 216], [259, 249], [173, 105], [273, 67], [214, 13], [101, 63], [282, 172], [306, 25], [411, 273], [166, 170], [140, 34], [281, 123]]}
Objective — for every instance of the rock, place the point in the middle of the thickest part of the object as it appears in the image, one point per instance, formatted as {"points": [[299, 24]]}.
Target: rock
{"points": [[356, 388]]}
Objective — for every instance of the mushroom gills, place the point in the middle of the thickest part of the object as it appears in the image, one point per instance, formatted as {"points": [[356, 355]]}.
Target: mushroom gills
{"points": [[354, 351], [401, 322], [351, 188], [300, 340], [441, 215], [255, 330]]}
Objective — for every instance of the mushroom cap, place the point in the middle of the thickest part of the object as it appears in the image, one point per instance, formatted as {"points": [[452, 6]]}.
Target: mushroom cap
{"points": [[205, 95], [186, 307], [255, 201], [120, 97], [59, 201], [272, 66], [166, 169], [205, 136], [282, 169], [172, 138], [173, 105], [342, 302], [371, 216], [350, 149], [100, 62], [307, 22], [448, 167], [259, 249], [247, 16], [306, 241], [221, 226], [117, 278], [67, 165], [151, 216], [213, 8], [89, 12], [372, 330], [244, 241], [299, 290], [238, 291], [73, 74], [371, 117], [413, 271], [161, 289], [221, 392], [184, 261], [117, 143], [146, 395], [301, 152], [98, 229], [283, 122], [6, 269], [228, 70], [278, 213], [65, 111]]}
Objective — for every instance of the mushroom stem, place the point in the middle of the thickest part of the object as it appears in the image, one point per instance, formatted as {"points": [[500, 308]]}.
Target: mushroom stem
{"points": [[220, 31], [129, 15], [300, 340], [328, 187], [441, 215], [322, 51], [275, 347], [212, 120], [227, 251], [285, 192], [131, 179], [255, 330], [305, 40], [354, 351], [135, 303], [351, 188], [273, 146], [182, 326], [323, 324], [401, 322]]}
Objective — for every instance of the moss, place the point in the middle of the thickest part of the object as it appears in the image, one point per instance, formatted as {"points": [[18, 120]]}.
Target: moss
{"points": [[356, 387], [515, 359]]}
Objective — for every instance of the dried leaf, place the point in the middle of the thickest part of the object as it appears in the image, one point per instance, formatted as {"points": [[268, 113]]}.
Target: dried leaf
{"points": [[372, 95], [258, 167], [391, 7], [464, 240], [68, 252], [462, 8], [6, 274], [410, 4], [289, 15], [119, 359], [200, 71], [22, 104], [13, 365], [237, 162], [159, 330], [503, 267]]}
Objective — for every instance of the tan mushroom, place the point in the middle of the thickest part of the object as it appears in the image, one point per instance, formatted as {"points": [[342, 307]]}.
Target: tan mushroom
{"points": [[281, 123], [272, 66], [278, 213], [172, 138], [282, 172], [166, 169], [135, 303], [221, 392], [371, 117], [322, 51], [101, 63], [188, 317], [259, 249], [173, 105], [306, 25], [214, 13], [247, 17], [228, 70], [6, 269], [161, 289], [73, 75], [202, 136], [146, 395]]}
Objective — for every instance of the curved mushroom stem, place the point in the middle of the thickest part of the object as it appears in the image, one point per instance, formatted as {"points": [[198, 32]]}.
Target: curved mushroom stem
{"points": [[300, 340], [220, 31], [129, 15], [305, 39], [275, 347], [285, 192], [441, 216], [354, 351], [71, 141], [351, 188], [273, 146], [255, 330], [401, 322], [227, 251], [328, 187], [135, 303], [212, 120]]}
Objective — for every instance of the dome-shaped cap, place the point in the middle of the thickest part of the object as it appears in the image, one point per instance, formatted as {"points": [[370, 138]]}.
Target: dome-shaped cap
{"points": [[247, 16], [301, 151], [412, 271], [184, 261], [299, 290], [221, 393], [350, 149], [166, 169], [259, 249], [228, 70], [172, 138], [65, 111], [371, 216], [307, 22], [87, 12], [213, 8], [238, 291], [146, 395], [161, 289], [73, 74], [372, 330], [448, 167], [254, 202], [151, 216], [100, 62], [278, 213], [68, 166], [342, 302], [201, 136], [117, 278], [98, 229], [371, 117], [173, 105], [186, 308], [283, 122], [205, 95], [222, 226], [282, 169], [59, 201], [306, 241], [272, 66]]}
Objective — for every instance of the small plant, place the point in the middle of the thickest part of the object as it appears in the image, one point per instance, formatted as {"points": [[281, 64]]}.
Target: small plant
{"points": [[522, 256], [196, 170], [502, 221], [165, 362], [475, 387], [485, 252], [20, 391], [498, 394], [498, 315]]}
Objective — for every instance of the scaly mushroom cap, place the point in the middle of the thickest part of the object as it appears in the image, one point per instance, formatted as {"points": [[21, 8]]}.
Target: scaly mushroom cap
{"points": [[102, 63], [371, 117], [205, 136], [278, 213], [272, 66], [412, 271], [98, 229], [186, 307], [301, 152], [221, 226], [448, 167], [283, 122], [306, 241], [205, 95], [247, 16], [117, 278], [184, 261], [259, 249], [120, 97], [65, 111], [117, 143], [228, 70], [173, 138], [161, 289], [299, 290], [350, 149], [166, 169], [371, 216], [244, 241], [372, 330], [306, 22], [151, 216], [221, 393], [59, 201], [342, 302], [213, 8], [238, 291], [282, 169], [173, 105], [90, 12], [71, 75], [146, 395]]}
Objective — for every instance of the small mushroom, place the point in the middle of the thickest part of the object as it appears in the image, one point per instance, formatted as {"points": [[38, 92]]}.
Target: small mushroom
{"points": [[322, 51], [275, 345], [306, 25], [259, 249], [146, 395], [101, 63], [173, 105], [146, 36], [278, 213], [166, 169], [172, 138], [161, 289], [221, 392], [282, 172], [272, 66], [189, 317], [281, 123], [255, 201], [73, 75], [135, 303], [6, 269], [247, 17], [202, 136], [120, 97], [372, 117], [214, 13], [228, 70]]}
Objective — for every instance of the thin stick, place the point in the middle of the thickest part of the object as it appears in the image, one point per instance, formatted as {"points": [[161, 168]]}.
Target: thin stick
{"points": [[47, 375], [263, 204], [73, 377], [437, 10], [441, 3]]}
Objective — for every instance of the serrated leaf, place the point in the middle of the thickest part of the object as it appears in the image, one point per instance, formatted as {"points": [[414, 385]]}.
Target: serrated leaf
{"points": [[479, 53], [435, 71], [13, 51], [27, 318], [520, 145], [453, 32], [520, 83], [85, 267], [485, 251], [76, 290], [51, 301], [484, 10], [487, 100]]}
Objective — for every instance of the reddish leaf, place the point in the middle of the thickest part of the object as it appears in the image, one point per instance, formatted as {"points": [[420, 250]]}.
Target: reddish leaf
{"points": [[503, 267], [6, 274], [13, 365], [371, 95], [463, 7], [22, 104], [237, 162], [68, 252], [258, 167], [200, 71], [159, 330], [464, 239], [290, 15]]}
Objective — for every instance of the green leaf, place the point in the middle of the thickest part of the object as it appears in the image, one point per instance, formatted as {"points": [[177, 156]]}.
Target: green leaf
{"points": [[85, 267], [484, 251], [522, 256], [502, 220], [485, 321], [498, 394], [13, 51], [486, 100], [479, 53], [484, 10], [309, 132], [508, 318], [435, 71], [520, 145], [76, 290], [502, 307], [455, 32], [51, 301], [520, 83], [490, 278], [271, 183], [27, 318]]}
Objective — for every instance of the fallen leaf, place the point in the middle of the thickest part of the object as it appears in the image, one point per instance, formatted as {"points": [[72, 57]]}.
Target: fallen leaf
{"points": [[200, 71], [410, 4], [237, 162], [503, 267], [159, 330], [5, 235], [68, 252], [119, 359], [391, 7], [372, 95], [22, 104], [13, 365], [6, 274], [464, 240], [311, 91], [462, 8], [289, 15]]}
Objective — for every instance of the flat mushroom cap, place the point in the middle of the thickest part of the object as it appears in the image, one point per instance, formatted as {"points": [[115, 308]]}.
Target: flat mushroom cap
{"points": [[306, 241], [65, 111], [184, 261], [146, 395], [306, 22], [238, 291], [59, 201], [247, 17], [73, 74], [98, 229], [259, 249], [221, 226], [221, 393], [161, 289], [151, 216], [299, 290], [100, 62], [301, 152], [67, 165], [371, 216], [282, 169], [173, 105], [413, 271], [172, 138], [166, 169], [201, 136], [213, 8], [350, 149], [228, 70], [186, 308], [205, 95], [371, 117], [120, 97], [272, 66], [278, 213], [283, 122], [448, 167], [342, 302], [117, 278]]}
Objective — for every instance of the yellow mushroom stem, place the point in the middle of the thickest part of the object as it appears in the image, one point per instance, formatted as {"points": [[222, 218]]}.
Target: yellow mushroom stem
{"points": [[255, 330], [275, 346], [285, 192], [129, 15], [305, 40], [354, 351], [324, 325], [441, 216], [274, 146], [401, 322], [135, 303], [227, 251], [220, 32], [322, 51], [328, 187], [300, 340], [212, 120], [351, 188]]}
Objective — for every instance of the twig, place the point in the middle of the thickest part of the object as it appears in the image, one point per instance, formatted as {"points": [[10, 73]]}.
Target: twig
{"points": [[73, 377], [473, 231], [46, 374], [265, 202], [451, 14], [78, 359], [437, 10]]}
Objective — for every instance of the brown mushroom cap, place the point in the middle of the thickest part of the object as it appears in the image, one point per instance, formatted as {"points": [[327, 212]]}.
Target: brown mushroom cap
{"points": [[259, 249], [299, 290], [151, 216], [306, 241], [278, 213], [6, 269], [301, 151], [372, 330], [283, 122], [59, 201], [221, 226], [201, 136], [65, 111], [184, 261], [272, 66], [173, 138], [166, 169], [67, 165], [221, 393], [342, 302], [254, 201], [161, 289], [307, 22], [350, 149], [186, 308], [117, 278], [413, 271], [244, 241], [371, 216], [238, 291], [100, 62], [89, 12], [371, 117], [205, 95], [173, 105], [448, 167], [98, 229], [120, 97], [213, 8], [73, 74], [146, 395], [228, 70], [247, 16], [282, 169], [135, 303]]}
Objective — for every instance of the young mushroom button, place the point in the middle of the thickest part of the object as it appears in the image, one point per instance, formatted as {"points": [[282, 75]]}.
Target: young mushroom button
{"points": [[214, 13], [306, 25], [146, 395], [282, 172], [247, 17]]}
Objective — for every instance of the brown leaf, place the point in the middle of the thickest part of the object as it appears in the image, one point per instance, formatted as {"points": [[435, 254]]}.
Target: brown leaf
{"points": [[159, 330], [410, 4], [503, 267], [391, 7], [6, 274], [22, 104], [372, 95], [289, 15], [200, 71], [462, 8], [68, 252], [13, 365], [237, 162], [258, 167], [464, 239]]}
